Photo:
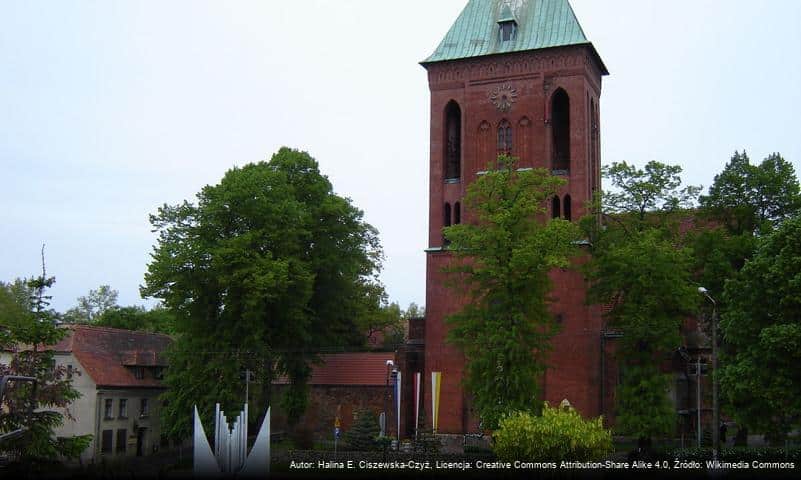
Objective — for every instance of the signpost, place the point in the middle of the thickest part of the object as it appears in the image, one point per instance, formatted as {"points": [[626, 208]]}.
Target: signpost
{"points": [[337, 433]]}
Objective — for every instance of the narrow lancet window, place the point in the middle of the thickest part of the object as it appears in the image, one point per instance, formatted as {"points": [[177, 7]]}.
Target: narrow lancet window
{"points": [[457, 213], [567, 209], [504, 138], [560, 126], [453, 141], [555, 207]]}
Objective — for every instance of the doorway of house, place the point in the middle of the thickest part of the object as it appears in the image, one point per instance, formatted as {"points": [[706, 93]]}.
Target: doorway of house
{"points": [[140, 441]]}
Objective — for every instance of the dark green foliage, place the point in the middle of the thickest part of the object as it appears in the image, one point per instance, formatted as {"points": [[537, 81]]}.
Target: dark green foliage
{"points": [[646, 192], [269, 268], [362, 434], [640, 269], [501, 265], [560, 433], [649, 300], [762, 332], [29, 321], [750, 198], [156, 320]]}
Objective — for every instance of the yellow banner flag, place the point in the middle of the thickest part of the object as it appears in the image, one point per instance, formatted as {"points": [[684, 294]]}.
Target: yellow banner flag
{"points": [[436, 381]]}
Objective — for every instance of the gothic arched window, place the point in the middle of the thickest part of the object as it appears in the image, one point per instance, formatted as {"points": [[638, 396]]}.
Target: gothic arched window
{"points": [[504, 138], [560, 129], [453, 141], [567, 208], [556, 207], [457, 213]]}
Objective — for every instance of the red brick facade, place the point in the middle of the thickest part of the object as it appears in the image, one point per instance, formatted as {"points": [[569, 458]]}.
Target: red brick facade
{"points": [[531, 80]]}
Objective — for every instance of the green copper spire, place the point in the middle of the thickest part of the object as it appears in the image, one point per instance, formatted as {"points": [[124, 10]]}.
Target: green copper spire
{"points": [[540, 24]]}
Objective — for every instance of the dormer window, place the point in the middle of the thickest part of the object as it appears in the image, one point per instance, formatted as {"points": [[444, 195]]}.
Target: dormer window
{"points": [[507, 24], [508, 31]]}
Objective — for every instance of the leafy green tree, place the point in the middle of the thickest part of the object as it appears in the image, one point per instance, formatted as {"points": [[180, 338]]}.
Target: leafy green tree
{"points": [[29, 322], [93, 305], [156, 320], [752, 198], [644, 192], [744, 203], [414, 311], [640, 268], [646, 279], [502, 262], [761, 328], [269, 268]]}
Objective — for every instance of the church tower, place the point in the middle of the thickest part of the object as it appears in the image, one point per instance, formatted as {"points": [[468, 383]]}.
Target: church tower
{"points": [[516, 77]]}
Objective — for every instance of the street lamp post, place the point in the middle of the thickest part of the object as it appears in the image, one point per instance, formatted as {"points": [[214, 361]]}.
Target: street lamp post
{"points": [[715, 409]]}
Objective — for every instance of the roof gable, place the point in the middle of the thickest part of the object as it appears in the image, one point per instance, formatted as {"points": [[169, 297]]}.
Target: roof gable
{"points": [[107, 355], [540, 24]]}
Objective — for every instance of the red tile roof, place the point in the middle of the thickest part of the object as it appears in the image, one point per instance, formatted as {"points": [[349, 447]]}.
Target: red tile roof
{"points": [[108, 354], [362, 368]]}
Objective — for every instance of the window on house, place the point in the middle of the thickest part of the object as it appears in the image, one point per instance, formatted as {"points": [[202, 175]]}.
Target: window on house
{"points": [[122, 440], [123, 408], [144, 408], [109, 409], [158, 373], [560, 129], [556, 205], [567, 208], [139, 373], [453, 141], [106, 441], [69, 371], [457, 213], [504, 138]]}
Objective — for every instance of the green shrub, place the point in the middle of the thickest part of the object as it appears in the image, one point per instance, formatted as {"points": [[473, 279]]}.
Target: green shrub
{"points": [[362, 435], [558, 434]]}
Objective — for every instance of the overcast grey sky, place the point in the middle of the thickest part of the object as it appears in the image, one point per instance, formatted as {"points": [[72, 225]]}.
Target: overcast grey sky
{"points": [[109, 109]]}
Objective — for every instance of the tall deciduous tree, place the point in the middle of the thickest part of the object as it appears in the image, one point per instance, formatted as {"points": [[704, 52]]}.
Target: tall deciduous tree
{"points": [[93, 305], [751, 198], [646, 278], [640, 268], [639, 192], [761, 329], [502, 260], [269, 268]]}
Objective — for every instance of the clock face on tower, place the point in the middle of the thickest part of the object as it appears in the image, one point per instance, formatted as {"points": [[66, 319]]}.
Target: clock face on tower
{"points": [[503, 97]]}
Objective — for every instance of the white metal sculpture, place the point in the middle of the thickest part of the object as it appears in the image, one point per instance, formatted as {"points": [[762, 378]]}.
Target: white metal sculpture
{"points": [[230, 446]]}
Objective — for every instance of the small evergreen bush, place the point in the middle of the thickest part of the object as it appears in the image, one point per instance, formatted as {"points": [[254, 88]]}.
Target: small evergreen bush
{"points": [[362, 435], [558, 434]]}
